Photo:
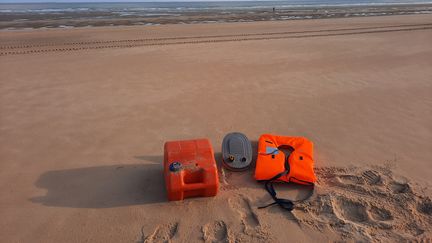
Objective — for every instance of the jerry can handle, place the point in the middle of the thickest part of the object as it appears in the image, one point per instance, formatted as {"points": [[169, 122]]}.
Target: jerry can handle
{"points": [[194, 186]]}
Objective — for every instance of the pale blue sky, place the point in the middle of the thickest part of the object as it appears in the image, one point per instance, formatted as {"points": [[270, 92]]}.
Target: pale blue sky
{"points": [[69, 1]]}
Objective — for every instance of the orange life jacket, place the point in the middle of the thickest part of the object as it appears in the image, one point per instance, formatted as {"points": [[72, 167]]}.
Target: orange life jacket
{"points": [[285, 159]]}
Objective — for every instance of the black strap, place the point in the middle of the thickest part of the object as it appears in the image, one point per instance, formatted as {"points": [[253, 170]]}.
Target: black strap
{"points": [[284, 203]]}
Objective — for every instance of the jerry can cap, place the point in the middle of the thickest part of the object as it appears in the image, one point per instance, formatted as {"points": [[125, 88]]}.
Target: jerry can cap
{"points": [[175, 166]]}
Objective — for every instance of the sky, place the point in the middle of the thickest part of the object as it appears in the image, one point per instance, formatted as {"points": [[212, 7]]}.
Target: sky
{"points": [[83, 1], [69, 1]]}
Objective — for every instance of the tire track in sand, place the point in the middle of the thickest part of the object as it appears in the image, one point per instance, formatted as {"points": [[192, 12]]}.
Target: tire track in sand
{"points": [[131, 43], [201, 37]]}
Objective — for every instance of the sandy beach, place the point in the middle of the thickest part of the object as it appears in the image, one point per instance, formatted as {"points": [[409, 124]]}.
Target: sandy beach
{"points": [[84, 114]]}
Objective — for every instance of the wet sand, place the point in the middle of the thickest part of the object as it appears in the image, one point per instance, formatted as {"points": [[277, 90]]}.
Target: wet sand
{"points": [[84, 114]]}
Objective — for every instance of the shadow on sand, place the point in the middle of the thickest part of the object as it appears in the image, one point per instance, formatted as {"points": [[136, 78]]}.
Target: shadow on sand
{"points": [[123, 185], [103, 186]]}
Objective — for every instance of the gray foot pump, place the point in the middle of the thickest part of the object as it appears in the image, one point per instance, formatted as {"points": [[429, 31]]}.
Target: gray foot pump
{"points": [[236, 151]]}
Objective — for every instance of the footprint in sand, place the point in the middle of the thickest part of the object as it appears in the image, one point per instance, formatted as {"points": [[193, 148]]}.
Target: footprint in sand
{"points": [[425, 207], [216, 232], [367, 204], [350, 210], [380, 214], [163, 233], [398, 187], [248, 217], [372, 177], [251, 228], [351, 179], [353, 211]]}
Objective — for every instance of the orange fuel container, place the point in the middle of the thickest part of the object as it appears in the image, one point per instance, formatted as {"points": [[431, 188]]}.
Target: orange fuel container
{"points": [[190, 169]]}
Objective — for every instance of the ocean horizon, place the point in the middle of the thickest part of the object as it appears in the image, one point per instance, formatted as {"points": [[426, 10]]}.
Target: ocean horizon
{"points": [[82, 14]]}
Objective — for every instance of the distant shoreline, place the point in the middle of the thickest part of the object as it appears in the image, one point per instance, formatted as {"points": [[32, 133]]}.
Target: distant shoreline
{"points": [[72, 19]]}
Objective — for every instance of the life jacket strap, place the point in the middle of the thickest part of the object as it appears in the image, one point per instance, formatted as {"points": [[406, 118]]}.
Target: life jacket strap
{"points": [[284, 203]]}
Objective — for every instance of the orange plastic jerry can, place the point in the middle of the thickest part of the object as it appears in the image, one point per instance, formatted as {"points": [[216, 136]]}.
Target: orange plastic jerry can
{"points": [[190, 169]]}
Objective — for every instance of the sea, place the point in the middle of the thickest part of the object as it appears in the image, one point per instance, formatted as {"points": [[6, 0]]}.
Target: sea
{"points": [[143, 8], [89, 14]]}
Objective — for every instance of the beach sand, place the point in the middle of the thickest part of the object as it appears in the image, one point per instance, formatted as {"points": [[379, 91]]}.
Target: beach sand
{"points": [[84, 114]]}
